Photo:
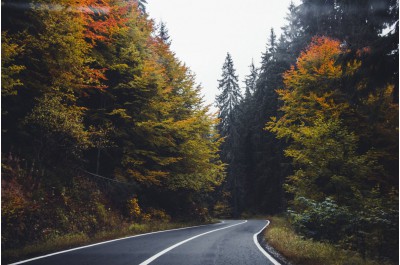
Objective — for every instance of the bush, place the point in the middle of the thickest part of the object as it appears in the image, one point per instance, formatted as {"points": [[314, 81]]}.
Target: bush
{"points": [[372, 230], [158, 215], [322, 220], [303, 251], [36, 211]]}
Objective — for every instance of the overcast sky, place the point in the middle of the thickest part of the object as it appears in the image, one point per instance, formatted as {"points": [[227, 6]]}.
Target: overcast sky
{"points": [[202, 32]]}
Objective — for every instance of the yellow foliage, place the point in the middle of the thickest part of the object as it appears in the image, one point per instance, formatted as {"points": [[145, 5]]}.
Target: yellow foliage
{"points": [[134, 208]]}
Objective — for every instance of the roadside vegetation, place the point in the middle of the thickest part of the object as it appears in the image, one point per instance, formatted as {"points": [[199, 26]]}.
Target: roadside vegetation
{"points": [[104, 130], [299, 250]]}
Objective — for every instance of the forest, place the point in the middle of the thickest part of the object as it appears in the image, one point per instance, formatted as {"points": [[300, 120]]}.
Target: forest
{"points": [[315, 134], [102, 124]]}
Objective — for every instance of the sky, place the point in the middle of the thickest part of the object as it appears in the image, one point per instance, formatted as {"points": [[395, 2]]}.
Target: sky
{"points": [[202, 32]]}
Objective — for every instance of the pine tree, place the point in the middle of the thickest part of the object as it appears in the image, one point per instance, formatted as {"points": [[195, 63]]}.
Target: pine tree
{"points": [[142, 5], [230, 96], [228, 102], [293, 38], [163, 33], [264, 173], [268, 56], [251, 81]]}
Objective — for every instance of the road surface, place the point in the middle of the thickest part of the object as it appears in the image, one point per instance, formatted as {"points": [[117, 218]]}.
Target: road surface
{"points": [[230, 242]]}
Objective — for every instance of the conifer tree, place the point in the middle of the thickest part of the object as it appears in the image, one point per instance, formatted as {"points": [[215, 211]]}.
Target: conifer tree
{"points": [[163, 33], [228, 102], [251, 81], [229, 97], [264, 171], [142, 5]]}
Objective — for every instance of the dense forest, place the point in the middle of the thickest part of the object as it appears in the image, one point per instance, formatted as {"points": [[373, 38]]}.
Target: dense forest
{"points": [[102, 124], [315, 134]]}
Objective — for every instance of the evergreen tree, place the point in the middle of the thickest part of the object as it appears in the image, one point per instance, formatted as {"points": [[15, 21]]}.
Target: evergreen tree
{"points": [[293, 38], [228, 101], [265, 166], [251, 81], [229, 97], [163, 33], [142, 5], [268, 56]]}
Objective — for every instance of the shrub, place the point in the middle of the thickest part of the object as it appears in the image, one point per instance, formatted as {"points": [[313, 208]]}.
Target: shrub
{"points": [[372, 230], [158, 215]]}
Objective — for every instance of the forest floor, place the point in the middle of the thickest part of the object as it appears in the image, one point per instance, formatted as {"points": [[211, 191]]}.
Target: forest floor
{"points": [[74, 240], [296, 249]]}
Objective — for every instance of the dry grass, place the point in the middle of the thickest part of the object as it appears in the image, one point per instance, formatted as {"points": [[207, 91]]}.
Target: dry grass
{"points": [[301, 251]]}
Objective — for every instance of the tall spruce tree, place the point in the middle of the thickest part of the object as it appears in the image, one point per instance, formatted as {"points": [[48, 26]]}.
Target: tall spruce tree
{"points": [[163, 33], [264, 174], [229, 98], [251, 81], [228, 101]]}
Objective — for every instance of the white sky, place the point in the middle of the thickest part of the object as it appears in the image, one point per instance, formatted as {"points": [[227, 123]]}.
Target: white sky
{"points": [[202, 32]]}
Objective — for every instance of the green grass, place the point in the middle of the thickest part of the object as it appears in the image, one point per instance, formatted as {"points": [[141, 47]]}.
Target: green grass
{"points": [[68, 241], [301, 251]]}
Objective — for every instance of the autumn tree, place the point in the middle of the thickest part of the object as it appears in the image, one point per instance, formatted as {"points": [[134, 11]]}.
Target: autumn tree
{"points": [[325, 148], [158, 117], [96, 110]]}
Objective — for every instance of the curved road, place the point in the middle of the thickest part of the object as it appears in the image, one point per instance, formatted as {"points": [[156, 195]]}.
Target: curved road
{"points": [[231, 242]]}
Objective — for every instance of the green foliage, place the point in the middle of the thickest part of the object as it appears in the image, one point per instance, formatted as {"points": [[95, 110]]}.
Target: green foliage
{"points": [[282, 236], [322, 220], [93, 91], [57, 121], [336, 183], [9, 71], [362, 230], [229, 127]]}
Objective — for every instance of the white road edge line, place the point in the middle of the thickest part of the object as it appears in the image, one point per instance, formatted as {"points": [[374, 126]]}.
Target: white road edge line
{"points": [[105, 242], [151, 259], [263, 250]]}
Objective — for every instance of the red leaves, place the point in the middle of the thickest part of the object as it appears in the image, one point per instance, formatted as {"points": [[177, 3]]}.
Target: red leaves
{"points": [[103, 18]]}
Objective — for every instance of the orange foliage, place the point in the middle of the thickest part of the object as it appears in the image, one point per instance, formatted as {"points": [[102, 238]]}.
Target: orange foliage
{"points": [[317, 62], [364, 51], [103, 18]]}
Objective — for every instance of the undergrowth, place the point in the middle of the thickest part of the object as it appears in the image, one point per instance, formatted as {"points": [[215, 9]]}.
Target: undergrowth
{"points": [[303, 251]]}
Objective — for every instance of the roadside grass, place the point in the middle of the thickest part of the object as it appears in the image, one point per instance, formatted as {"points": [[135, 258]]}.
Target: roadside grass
{"points": [[301, 251], [68, 241]]}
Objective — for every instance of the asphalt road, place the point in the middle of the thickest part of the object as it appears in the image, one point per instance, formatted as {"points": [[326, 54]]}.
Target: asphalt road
{"points": [[230, 242]]}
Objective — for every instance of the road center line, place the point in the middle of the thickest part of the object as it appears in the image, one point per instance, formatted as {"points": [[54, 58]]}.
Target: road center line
{"points": [[151, 259]]}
